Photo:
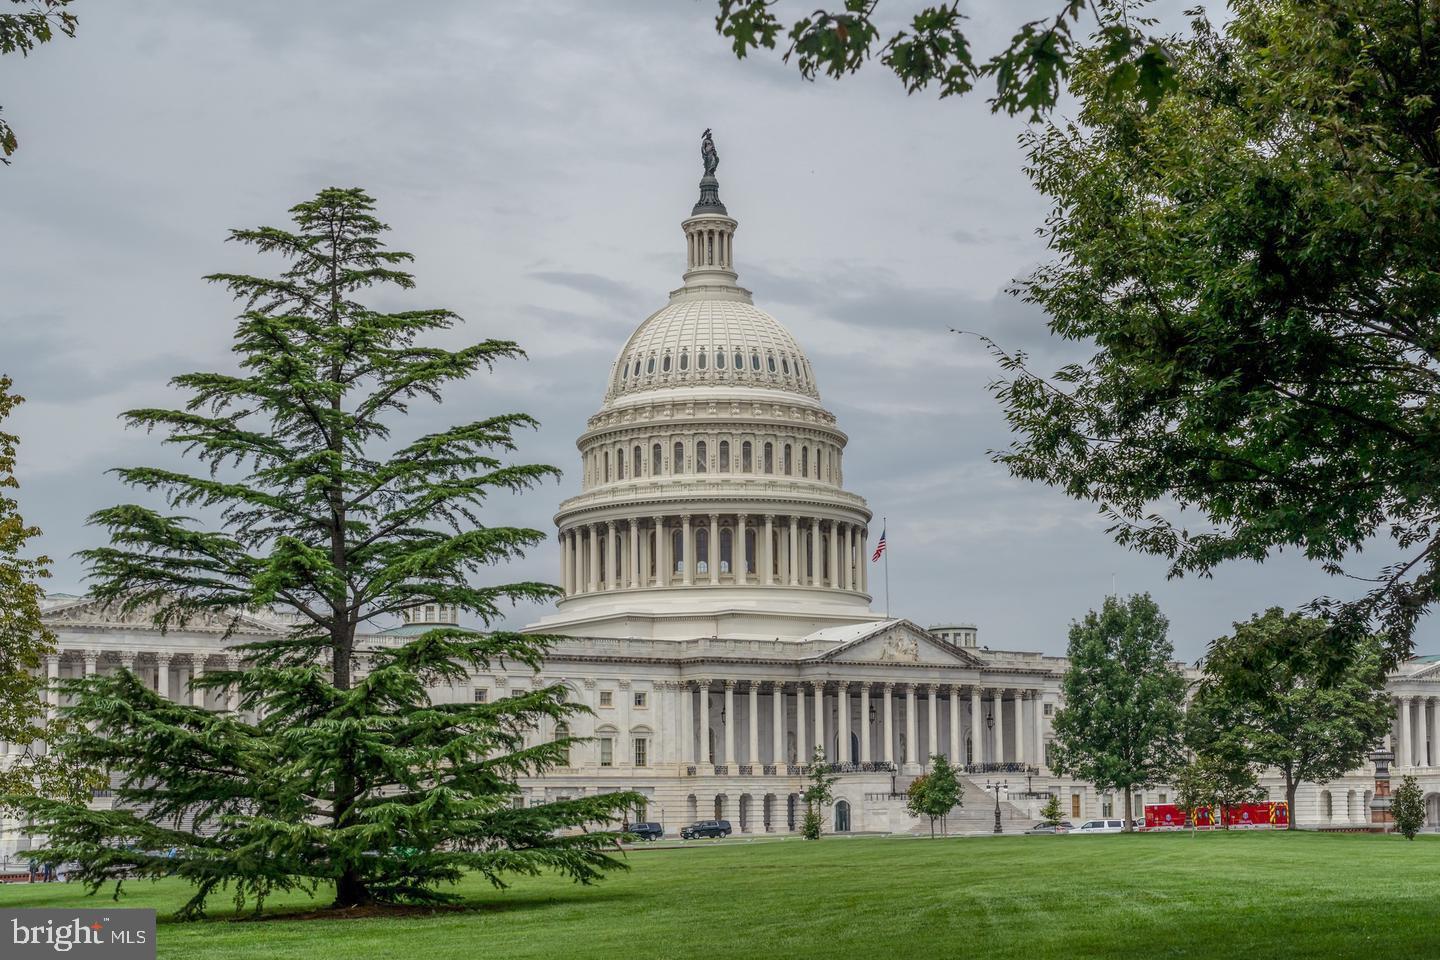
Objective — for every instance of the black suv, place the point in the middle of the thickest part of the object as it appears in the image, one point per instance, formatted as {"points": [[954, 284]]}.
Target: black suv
{"points": [[706, 828], [645, 831]]}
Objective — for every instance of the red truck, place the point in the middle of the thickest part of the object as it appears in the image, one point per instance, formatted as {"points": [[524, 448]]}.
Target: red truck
{"points": [[1169, 816]]}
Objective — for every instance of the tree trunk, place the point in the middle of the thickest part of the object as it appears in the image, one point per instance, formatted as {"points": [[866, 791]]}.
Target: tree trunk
{"points": [[1290, 787], [1129, 810], [351, 890]]}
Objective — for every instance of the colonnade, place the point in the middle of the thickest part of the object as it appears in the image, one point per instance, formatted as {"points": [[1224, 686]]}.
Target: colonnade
{"points": [[1417, 731], [773, 723], [714, 548]]}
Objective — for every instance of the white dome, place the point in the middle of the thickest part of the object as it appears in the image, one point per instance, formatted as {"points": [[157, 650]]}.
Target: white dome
{"points": [[709, 338]]}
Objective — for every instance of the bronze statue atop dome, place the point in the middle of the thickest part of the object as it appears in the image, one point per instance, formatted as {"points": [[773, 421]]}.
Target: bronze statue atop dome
{"points": [[708, 156]]}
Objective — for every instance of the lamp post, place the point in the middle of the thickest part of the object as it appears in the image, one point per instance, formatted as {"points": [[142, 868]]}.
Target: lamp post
{"points": [[996, 785]]}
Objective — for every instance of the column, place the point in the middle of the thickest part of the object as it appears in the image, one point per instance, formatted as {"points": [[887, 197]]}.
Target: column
{"points": [[687, 547], [565, 568], [999, 708], [739, 559], [52, 684], [864, 722], [1435, 733], [820, 717], [162, 675], [577, 558], [833, 554], [889, 689], [634, 553], [612, 564], [752, 756], [767, 575], [729, 721], [910, 724], [842, 722], [706, 757], [232, 697], [1422, 709], [977, 727], [662, 553], [197, 670], [777, 722], [712, 554], [817, 559], [851, 573], [957, 755], [1022, 728], [863, 559], [793, 561], [690, 752], [594, 581], [92, 662], [1403, 754], [933, 724], [802, 745]]}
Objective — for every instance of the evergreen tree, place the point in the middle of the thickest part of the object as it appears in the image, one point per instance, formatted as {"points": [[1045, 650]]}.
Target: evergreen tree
{"points": [[1120, 726], [1268, 699], [935, 794], [31, 766], [1407, 807], [339, 767], [818, 795]]}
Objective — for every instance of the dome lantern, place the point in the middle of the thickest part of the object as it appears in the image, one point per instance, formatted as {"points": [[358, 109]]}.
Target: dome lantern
{"points": [[709, 230]]}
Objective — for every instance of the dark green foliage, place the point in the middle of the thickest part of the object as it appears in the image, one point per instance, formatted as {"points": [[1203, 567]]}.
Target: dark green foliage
{"points": [[935, 794], [1268, 701], [1253, 269], [23, 32], [1120, 726], [339, 768], [933, 49], [1051, 814], [1407, 807], [818, 795]]}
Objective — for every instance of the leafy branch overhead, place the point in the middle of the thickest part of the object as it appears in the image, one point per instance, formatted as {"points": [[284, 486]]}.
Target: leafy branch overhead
{"points": [[21, 33], [932, 49]]}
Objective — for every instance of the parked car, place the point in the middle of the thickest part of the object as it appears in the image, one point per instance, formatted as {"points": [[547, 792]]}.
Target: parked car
{"points": [[1062, 827], [1101, 826], [645, 831], [706, 828]]}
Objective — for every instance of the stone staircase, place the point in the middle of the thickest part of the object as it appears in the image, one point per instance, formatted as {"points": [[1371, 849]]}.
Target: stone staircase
{"points": [[977, 816]]}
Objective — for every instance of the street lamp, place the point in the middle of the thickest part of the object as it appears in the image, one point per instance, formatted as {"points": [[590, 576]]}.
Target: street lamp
{"points": [[996, 785]]}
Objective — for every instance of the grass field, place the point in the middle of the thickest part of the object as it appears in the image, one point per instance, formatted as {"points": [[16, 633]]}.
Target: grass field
{"points": [[1262, 895]]}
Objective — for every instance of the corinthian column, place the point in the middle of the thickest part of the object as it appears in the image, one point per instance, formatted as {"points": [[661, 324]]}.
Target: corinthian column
{"points": [[977, 726], [612, 566], [889, 722], [910, 724], [712, 549], [933, 723], [833, 554], [820, 716], [817, 559], [594, 582], [794, 558], [634, 553], [752, 755], [777, 722], [162, 675], [687, 547], [842, 725], [730, 721], [768, 569], [864, 722], [739, 559]]}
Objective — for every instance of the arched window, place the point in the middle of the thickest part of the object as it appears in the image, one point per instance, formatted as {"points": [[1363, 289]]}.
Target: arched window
{"points": [[770, 362], [635, 462], [562, 732], [754, 361], [650, 365], [684, 360], [719, 359], [620, 464], [677, 551], [785, 365], [747, 462], [739, 361], [749, 551], [665, 364], [655, 460], [724, 456], [679, 465], [804, 461], [607, 466], [727, 540], [769, 458], [626, 374], [702, 550], [702, 461], [788, 461], [700, 357]]}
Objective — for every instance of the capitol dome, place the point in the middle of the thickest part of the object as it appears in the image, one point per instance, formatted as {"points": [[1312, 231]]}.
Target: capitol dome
{"points": [[712, 485]]}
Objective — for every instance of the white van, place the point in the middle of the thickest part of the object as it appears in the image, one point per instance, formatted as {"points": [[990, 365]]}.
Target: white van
{"points": [[1100, 826]]}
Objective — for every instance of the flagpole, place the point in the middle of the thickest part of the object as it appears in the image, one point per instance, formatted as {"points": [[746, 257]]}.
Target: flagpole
{"points": [[884, 527]]}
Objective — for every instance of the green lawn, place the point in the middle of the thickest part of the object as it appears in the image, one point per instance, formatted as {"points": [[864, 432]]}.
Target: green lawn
{"points": [[1262, 895]]}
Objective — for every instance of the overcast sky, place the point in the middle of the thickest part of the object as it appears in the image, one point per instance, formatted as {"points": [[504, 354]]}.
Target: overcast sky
{"points": [[537, 158]]}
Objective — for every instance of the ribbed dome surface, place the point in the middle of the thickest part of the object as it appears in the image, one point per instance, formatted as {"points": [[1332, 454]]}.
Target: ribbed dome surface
{"points": [[711, 341]]}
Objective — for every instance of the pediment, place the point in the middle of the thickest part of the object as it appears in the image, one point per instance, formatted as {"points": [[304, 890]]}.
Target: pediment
{"points": [[102, 614], [900, 641]]}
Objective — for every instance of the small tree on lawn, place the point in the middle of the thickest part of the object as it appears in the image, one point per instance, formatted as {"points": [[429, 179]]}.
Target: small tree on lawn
{"points": [[1051, 814], [1407, 807], [818, 795], [1269, 698], [1216, 781], [1120, 726], [338, 768], [935, 794]]}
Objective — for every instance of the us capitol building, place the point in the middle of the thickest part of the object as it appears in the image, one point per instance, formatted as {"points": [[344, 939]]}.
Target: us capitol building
{"points": [[716, 613]]}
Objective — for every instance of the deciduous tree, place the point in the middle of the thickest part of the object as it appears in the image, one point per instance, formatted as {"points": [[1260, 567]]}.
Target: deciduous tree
{"points": [[936, 793], [818, 795], [340, 767], [22, 32], [1120, 726], [1407, 807]]}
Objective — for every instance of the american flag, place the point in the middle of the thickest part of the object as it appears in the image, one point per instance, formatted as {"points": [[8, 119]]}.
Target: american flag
{"points": [[879, 547]]}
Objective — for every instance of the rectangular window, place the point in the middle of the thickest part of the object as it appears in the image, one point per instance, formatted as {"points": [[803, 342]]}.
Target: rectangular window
{"points": [[1164, 798], [1049, 709], [1075, 805], [639, 698], [607, 698], [607, 752], [1107, 807], [641, 747], [482, 695]]}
